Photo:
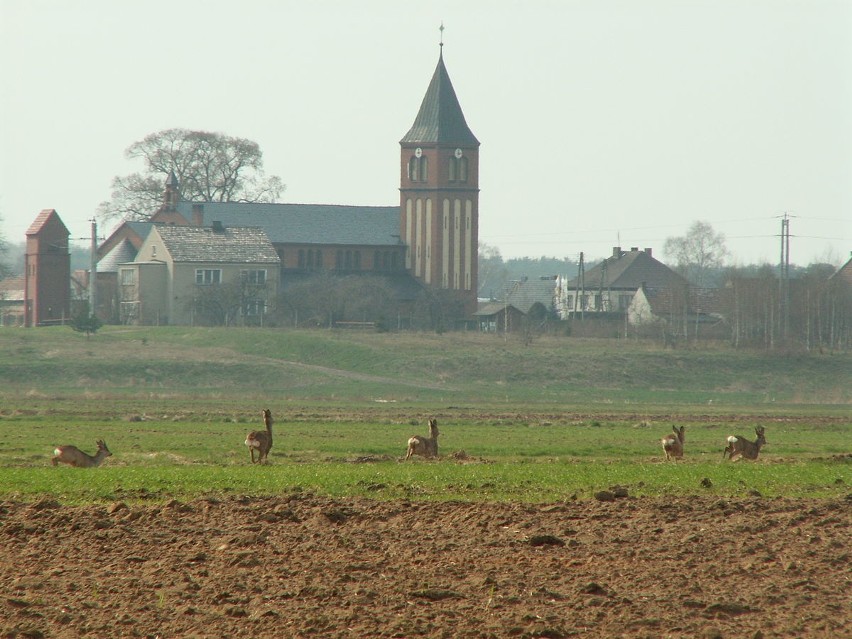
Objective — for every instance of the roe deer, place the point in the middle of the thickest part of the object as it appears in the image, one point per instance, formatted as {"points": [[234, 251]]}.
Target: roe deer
{"points": [[260, 440], [425, 446], [673, 443], [73, 456], [739, 446]]}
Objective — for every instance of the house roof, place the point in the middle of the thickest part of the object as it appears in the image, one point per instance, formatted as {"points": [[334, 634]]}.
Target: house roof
{"points": [[440, 119], [122, 252], [306, 223], [493, 308], [525, 293], [844, 272], [629, 270], [229, 245], [12, 289]]}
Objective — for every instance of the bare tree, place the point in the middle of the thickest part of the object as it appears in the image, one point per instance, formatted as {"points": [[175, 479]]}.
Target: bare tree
{"points": [[697, 252], [5, 269], [210, 167], [492, 270]]}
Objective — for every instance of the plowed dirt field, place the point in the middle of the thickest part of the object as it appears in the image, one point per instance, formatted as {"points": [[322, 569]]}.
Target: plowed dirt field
{"points": [[307, 566]]}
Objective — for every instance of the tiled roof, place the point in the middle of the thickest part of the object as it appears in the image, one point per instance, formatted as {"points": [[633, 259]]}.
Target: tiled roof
{"points": [[42, 219], [307, 223], [628, 272], [232, 245], [440, 119]]}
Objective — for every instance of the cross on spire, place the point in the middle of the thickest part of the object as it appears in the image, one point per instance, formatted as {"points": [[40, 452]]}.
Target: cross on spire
{"points": [[441, 29]]}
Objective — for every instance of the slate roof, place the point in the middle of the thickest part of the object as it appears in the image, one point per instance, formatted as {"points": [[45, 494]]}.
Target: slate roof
{"points": [[628, 272], [440, 119], [307, 223], [524, 294], [231, 245], [122, 252]]}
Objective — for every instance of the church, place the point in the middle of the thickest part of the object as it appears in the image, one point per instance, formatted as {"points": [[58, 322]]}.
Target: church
{"points": [[429, 241]]}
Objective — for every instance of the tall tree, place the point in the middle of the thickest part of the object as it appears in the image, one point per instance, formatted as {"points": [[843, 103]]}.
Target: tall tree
{"points": [[210, 167], [697, 253]]}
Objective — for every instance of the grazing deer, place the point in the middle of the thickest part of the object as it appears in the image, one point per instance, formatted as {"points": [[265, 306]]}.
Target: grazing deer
{"points": [[673, 443], [738, 446], [425, 446], [73, 456], [261, 440]]}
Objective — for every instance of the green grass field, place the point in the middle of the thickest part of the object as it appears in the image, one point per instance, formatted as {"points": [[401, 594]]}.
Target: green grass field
{"points": [[555, 420]]}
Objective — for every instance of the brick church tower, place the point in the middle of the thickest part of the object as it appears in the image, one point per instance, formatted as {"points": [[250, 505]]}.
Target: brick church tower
{"points": [[439, 193]]}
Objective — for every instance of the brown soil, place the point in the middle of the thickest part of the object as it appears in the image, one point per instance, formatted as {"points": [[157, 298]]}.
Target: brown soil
{"points": [[306, 566]]}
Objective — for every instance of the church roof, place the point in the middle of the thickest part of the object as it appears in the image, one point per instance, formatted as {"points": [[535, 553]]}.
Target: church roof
{"points": [[307, 223], [440, 119]]}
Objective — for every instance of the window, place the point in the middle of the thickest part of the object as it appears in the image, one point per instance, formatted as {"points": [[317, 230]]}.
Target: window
{"points": [[624, 302], [207, 276], [128, 277], [301, 258], [253, 308], [418, 169], [458, 169], [254, 277]]}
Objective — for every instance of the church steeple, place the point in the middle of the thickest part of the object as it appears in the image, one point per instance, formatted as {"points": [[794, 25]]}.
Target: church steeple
{"points": [[439, 192], [440, 119]]}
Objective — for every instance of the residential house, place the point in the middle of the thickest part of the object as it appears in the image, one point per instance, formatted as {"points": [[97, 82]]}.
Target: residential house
{"points": [[12, 301], [608, 288], [192, 275]]}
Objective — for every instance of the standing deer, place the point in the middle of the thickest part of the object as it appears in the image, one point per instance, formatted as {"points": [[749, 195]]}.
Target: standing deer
{"points": [[738, 446], [425, 446], [261, 440], [673, 443], [73, 456]]}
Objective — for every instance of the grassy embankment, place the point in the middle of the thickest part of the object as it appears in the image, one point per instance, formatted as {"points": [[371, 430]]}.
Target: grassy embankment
{"points": [[547, 422]]}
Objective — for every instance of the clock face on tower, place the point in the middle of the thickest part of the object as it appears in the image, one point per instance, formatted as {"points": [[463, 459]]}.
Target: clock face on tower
{"points": [[418, 152], [459, 153]]}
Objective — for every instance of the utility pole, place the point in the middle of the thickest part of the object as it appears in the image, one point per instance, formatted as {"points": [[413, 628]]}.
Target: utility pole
{"points": [[582, 287], [784, 278], [93, 269]]}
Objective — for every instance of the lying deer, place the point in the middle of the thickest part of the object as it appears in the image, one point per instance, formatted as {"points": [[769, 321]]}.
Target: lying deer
{"points": [[739, 446], [261, 441], [73, 456], [425, 446], [673, 443]]}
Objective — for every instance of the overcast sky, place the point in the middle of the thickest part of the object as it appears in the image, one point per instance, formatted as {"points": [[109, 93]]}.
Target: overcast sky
{"points": [[602, 123]]}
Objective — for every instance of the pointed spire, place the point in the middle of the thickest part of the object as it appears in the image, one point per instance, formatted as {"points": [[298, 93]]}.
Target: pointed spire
{"points": [[440, 119], [171, 196]]}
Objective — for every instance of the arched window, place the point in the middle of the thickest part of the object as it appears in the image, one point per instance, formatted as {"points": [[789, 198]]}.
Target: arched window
{"points": [[418, 168], [462, 169], [453, 166]]}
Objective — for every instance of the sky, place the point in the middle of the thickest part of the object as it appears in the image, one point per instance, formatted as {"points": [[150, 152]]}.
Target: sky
{"points": [[602, 122]]}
